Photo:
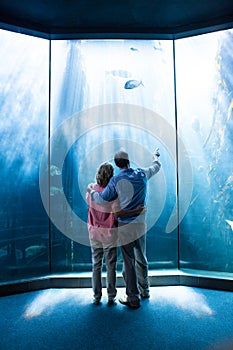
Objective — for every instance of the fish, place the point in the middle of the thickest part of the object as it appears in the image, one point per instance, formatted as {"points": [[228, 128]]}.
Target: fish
{"points": [[134, 49], [55, 190], [54, 170], [157, 47], [120, 73], [230, 223], [132, 84]]}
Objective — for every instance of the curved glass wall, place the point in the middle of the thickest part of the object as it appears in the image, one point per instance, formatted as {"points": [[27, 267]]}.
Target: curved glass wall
{"points": [[68, 107], [24, 234], [94, 114], [205, 101]]}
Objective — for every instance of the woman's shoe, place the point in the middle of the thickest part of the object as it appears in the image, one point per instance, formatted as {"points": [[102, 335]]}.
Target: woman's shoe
{"points": [[96, 301], [111, 300]]}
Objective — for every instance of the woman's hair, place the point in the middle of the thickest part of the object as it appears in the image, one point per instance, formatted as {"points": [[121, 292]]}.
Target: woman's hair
{"points": [[104, 174]]}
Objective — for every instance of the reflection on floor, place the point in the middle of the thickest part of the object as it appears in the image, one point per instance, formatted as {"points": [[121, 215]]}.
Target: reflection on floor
{"points": [[175, 317]]}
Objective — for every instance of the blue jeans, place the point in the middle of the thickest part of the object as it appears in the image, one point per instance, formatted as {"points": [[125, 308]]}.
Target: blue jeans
{"points": [[109, 252], [135, 269]]}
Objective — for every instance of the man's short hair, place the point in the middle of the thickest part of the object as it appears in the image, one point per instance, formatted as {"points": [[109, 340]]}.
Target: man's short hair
{"points": [[121, 159]]}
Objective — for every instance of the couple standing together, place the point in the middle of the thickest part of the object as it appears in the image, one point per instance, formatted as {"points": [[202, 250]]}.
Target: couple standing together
{"points": [[116, 216]]}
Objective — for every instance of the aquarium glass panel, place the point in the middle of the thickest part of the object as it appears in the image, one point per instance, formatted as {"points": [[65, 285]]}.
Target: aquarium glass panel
{"points": [[107, 95], [205, 124], [23, 135]]}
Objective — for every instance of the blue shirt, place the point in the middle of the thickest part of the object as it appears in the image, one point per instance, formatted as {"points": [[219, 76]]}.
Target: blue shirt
{"points": [[130, 187]]}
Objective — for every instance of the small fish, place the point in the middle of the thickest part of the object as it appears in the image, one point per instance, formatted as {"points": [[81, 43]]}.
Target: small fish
{"points": [[132, 84], [55, 190], [134, 49], [230, 223], [120, 73], [157, 48], [54, 170]]}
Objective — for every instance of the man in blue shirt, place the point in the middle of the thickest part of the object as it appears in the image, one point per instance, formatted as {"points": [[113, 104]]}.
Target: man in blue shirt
{"points": [[130, 187]]}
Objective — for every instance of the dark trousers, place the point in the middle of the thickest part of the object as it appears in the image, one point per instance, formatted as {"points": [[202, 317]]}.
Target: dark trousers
{"points": [[135, 268]]}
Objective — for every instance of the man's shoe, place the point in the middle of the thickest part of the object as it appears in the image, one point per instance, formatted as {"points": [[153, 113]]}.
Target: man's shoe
{"points": [[111, 301], [133, 304], [145, 295]]}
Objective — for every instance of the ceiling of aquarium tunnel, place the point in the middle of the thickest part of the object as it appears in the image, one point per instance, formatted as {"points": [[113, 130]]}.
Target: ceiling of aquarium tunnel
{"points": [[124, 18]]}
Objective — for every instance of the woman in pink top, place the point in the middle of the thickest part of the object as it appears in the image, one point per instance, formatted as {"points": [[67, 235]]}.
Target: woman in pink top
{"points": [[102, 228]]}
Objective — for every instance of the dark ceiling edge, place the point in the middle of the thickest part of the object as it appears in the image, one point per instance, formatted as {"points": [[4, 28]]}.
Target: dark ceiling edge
{"points": [[180, 33], [204, 30]]}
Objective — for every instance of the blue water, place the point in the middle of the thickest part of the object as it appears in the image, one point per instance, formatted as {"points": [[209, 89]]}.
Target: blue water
{"points": [[90, 75]]}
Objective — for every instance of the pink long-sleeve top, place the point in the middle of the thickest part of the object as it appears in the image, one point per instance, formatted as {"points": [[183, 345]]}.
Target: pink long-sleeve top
{"points": [[102, 224]]}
